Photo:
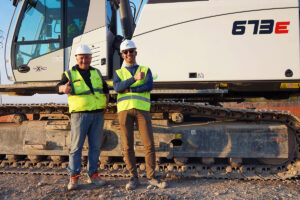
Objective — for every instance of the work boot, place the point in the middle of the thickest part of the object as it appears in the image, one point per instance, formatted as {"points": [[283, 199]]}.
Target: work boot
{"points": [[132, 184], [95, 179], [157, 183], [73, 184]]}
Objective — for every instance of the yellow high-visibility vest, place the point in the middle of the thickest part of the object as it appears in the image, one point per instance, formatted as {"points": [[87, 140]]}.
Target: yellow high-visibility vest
{"points": [[81, 97], [129, 100]]}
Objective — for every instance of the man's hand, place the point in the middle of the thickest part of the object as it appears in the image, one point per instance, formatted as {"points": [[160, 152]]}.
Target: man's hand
{"points": [[125, 91], [66, 88], [140, 75]]}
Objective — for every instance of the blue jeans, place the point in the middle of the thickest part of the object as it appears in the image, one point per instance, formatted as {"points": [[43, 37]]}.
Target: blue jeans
{"points": [[82, 125]]}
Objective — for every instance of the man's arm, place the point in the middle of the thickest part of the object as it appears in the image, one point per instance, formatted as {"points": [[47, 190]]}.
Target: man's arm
{"points": [[105, 87], [63, 87], [122, 86], [105, 90], [147, 86]]}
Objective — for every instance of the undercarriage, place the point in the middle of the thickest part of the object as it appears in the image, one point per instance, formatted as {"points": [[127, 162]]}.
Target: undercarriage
{"points": [[195, 140]]}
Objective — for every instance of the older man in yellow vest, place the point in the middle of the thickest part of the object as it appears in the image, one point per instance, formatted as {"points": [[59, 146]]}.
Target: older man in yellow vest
{"points": [[133, 84], [87, 97]]}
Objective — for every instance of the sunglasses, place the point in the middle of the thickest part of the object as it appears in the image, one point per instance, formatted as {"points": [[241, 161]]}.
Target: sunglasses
{"points": [[130, 51]]}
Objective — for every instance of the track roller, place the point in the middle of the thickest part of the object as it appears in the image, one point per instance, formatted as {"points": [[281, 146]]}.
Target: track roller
{"points": [[14, 158], [58, 159], [35, 158], [28, 164], [116, 166], [53, 165], [64, 165], [4, 164], [142, 167], [102, 166], [105, 159], [15, 164], [180, 161], [235, 162], [208, 161], [19, 118], [170, 168], [228, 169]]}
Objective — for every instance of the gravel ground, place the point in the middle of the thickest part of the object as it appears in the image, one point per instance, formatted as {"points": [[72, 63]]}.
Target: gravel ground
{"points": [[54, 187]]}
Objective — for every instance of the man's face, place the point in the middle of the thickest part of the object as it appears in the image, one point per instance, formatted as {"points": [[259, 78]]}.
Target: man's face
{"points": [[129, 56], [84, 60]]}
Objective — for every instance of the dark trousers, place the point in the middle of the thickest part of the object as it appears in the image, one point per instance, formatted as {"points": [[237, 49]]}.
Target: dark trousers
{"points": [[143, 120]]}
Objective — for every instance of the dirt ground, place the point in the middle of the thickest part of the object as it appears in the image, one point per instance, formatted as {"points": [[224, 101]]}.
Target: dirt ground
{"points": [[54, 187]]}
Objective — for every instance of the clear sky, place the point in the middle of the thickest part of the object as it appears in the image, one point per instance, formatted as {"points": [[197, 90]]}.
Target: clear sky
{"points": [[6, 11]]}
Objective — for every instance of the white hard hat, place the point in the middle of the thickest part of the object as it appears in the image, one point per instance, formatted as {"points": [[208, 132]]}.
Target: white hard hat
{"points": [[83, 49], [127, 44]]}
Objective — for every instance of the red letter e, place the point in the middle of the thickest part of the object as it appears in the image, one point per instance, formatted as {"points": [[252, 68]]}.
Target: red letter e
{"points": [[281, 27]]}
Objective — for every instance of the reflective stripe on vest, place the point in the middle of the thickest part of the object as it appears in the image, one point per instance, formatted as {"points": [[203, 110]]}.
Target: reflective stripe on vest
{"points": [[134, 97], [127, 101], [81, 97]]}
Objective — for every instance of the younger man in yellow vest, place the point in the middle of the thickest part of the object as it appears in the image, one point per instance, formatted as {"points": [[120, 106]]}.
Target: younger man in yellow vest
{"points": [[87, 97], [133, 84]]}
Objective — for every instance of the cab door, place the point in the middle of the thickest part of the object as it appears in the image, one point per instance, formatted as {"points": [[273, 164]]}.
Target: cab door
{"points": [[95, 35], [37, 52]]}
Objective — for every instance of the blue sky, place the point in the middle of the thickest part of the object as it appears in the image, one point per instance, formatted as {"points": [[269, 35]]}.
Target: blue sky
{"points": [[6, 11]]}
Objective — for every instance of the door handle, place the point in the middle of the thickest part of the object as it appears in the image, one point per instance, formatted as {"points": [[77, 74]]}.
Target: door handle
{"points": [[23, 69]]}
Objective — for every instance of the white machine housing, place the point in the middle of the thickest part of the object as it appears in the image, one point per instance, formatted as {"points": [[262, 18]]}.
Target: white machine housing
{"points": [[194, 40]]}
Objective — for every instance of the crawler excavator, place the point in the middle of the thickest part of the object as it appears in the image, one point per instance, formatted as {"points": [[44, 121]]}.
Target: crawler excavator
{"points": [[202, 53]]}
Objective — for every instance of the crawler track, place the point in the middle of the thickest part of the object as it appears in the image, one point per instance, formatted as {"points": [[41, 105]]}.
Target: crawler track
{"points": [[174, 111]]}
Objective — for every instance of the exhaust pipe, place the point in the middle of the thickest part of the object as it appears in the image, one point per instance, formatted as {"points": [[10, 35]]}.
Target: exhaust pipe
{"points": [[127, 21]]}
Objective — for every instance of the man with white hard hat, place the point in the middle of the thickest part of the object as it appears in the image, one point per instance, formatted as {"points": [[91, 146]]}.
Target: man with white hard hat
{"points": [[133, 84], [87, 97]]}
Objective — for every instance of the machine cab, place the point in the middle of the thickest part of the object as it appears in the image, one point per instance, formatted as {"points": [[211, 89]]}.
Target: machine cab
{"points": [[47, 33]]}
